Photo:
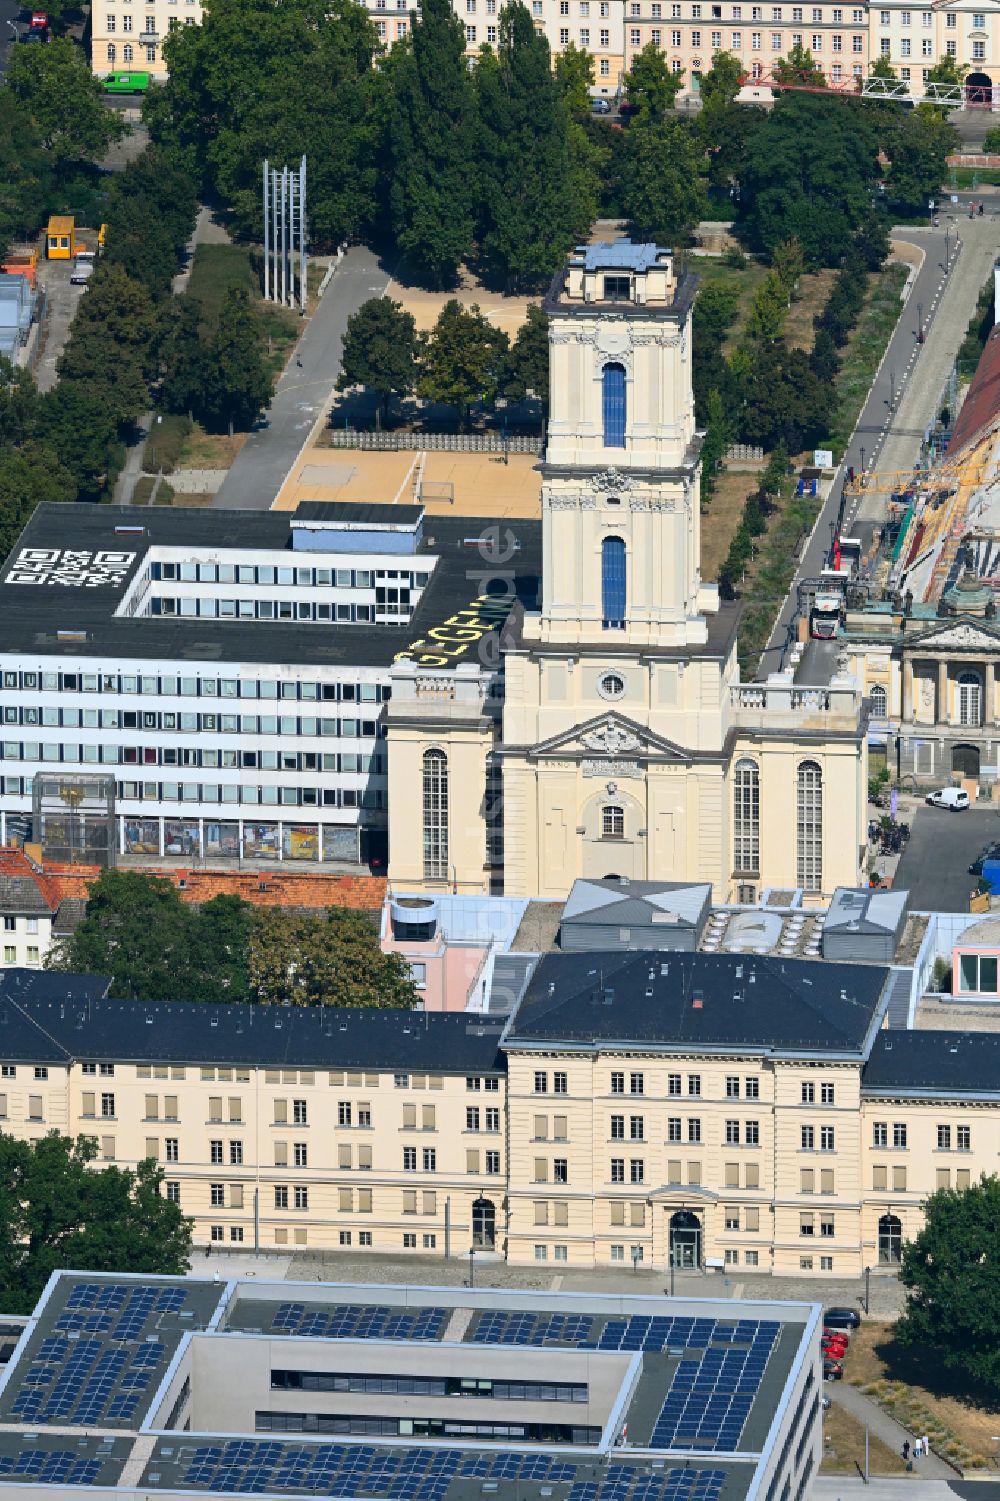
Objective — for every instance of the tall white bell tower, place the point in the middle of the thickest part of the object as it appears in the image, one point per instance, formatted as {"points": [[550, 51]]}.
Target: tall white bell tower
{"points": [[620, 496]]}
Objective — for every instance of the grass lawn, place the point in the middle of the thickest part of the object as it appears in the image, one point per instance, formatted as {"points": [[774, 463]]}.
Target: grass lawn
{"points": [[844, 1448], [814, 288], [215, 270], [722, 516], [923, 1396], [860, 357]]}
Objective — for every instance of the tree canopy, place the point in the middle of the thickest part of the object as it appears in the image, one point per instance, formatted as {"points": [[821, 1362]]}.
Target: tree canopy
{"points": [[332, 959], [59, 94], [433, 188], [953, 1288], [58, 1210], [463, 358], [156, 946], [380, 346], [810, 169]]}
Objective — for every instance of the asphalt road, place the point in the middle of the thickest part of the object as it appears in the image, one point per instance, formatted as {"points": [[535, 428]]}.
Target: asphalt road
{"points": [[9, 12], [934, 867], [304, 389], [905, 394]]}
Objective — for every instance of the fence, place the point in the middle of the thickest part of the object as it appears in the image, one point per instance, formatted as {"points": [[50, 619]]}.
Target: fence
{"points": [[434, 442], [744, 453]]}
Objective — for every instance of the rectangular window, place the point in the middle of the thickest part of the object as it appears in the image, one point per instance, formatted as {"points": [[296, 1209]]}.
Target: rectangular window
{"points": [[732, 1086], [807, 1138], [694, 1084], [963, 1135], [944, 1138], [899, 1134], [826, 1094], [880, 1133], [694, 1128], [826, 1139], [808, 1093]]}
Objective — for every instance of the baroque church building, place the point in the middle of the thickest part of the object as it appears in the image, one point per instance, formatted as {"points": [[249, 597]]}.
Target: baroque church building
{"points": [[614, 737]]}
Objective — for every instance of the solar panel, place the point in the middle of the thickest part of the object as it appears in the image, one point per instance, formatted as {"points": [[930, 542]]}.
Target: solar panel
{"points": [[360, 1321]]}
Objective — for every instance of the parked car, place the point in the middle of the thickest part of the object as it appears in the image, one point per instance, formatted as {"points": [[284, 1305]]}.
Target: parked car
{"points": [[832, 1369], [842, 1318], [991, 852], [600, 107], [824, 1402], [83, 269], [955, 799]]}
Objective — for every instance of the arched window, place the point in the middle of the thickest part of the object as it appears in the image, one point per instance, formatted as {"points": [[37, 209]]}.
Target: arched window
{"points": [[890, 1240], [746, 816], [613, 821], [435, 815], [613, 381], [970, 699], [127, 52], [613, 583], [880, 703], [809, 827], [111, 52]]}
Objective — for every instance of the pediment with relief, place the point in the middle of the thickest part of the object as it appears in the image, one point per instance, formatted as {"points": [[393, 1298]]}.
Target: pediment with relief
{"points": [[963, 635], [610, 735]]}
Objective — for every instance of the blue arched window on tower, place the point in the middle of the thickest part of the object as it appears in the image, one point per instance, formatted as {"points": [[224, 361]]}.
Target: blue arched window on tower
{"points": [[613, 583], [613, 382]]}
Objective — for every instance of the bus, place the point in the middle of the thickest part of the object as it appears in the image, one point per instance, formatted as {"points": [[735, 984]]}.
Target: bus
{"points": [[125, 83], [824, 617]]}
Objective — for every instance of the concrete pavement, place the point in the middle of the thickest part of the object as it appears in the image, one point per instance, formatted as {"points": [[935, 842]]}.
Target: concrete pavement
{"points": [[904, 396], [305, 386]]}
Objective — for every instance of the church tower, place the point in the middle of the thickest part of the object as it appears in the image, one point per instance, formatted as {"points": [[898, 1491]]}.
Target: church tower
{"points": [[620, 507]]}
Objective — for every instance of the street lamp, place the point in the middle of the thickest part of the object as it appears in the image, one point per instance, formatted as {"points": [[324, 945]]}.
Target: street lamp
{"points": [[892, 390], [947, 246], [671, 1272], [868, 1283], [862, 463], [920, 319], [472, 1266]]}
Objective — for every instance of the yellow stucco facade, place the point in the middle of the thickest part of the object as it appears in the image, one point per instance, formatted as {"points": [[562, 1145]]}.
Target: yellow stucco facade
{"points": [[618, 739]]}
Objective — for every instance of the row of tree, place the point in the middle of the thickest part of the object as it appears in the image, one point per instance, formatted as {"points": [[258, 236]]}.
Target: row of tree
{"points": [[154, 946], [463, 359], [504, 166]]}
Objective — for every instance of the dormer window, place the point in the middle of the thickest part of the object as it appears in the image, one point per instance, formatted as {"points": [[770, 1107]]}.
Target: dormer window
{"points": [[618, 289]]}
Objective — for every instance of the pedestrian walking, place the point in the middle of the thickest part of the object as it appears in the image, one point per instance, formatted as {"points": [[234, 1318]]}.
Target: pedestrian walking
{"points": [[906, 1448], [916, 1448], [927, 1444]]}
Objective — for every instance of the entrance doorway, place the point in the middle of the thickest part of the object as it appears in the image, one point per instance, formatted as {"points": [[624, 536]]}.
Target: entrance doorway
{"points": [[965, 760], [484, 1224], [685, 1241], [978, 89], [890, 1240]]}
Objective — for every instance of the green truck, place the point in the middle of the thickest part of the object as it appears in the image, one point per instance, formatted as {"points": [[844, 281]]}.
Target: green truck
{"points": [[125, 83]]}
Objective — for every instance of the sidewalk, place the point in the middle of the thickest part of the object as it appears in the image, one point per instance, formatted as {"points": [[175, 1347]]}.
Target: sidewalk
{"points": [[891, 1433]]}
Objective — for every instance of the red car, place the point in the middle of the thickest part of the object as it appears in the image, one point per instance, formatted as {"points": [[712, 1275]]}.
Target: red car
{"points": [[834, 1351], [841, 1334]]}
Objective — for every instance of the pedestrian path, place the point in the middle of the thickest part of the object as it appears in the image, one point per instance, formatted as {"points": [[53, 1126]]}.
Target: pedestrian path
{"points": [[892, 1434]]}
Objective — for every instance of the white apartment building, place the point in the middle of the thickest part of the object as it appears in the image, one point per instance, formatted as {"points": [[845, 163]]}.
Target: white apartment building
{"points": [[221, 676], [914, 39]]}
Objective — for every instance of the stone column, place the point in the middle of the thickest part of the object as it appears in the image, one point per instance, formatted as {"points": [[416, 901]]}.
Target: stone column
{"points": [[942, 693], [989, 678], [907, 668]]}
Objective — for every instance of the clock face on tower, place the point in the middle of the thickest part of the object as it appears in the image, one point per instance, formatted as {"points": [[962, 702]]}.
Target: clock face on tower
{"points": [[614, 338]]}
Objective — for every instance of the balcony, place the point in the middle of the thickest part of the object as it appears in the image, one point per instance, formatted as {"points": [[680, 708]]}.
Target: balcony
{"points": [[779, 704], [149, 38]]}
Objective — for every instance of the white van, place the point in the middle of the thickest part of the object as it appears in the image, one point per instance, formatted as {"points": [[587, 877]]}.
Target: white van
{"points": [[955, 799]]}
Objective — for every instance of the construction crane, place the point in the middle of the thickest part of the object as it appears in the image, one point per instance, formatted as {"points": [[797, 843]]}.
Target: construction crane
{"points": [[948, 475]]}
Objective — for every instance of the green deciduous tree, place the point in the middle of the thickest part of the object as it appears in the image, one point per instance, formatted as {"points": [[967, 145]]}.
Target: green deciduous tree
{"points": [[809, 173], [714, 314], [112, 344], [953, 1282], [991, 141], [462, 359], [649, 86], [239, 384], [28, 476], [917, 147], [768, 310], [528, 369], [800, 67], [433, 188], [155, 946], [333, 959], [63, 98], [663, 190], [882, 68], [380, 347], [574, 70], [75, 424], [257, 79], [150, 217], [58, 1210], [539, 191], [723, 125], [185, 357]]}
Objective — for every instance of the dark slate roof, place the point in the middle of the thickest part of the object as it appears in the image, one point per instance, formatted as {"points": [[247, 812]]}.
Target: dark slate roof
{"points": [[21, 895], [708, 1001], [66, 1019], [950, 1063], [30, 615]]}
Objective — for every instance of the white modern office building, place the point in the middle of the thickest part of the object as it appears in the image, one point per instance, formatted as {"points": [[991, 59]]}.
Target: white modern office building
{"points": [[211, 684]]}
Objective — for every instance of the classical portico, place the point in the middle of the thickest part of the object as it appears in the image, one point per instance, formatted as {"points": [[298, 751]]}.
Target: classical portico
{"points": [[948, 698]]}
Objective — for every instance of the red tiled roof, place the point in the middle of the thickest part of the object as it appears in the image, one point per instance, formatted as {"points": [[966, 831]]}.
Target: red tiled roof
{"points": [[982, 404], [268, 887], [14, 862]]}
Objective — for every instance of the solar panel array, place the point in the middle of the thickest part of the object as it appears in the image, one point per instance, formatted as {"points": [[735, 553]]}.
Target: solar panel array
{"points": [[711, 1395], [360, 1321], [50, 1467], [247, 1466], [98, 1363]]}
